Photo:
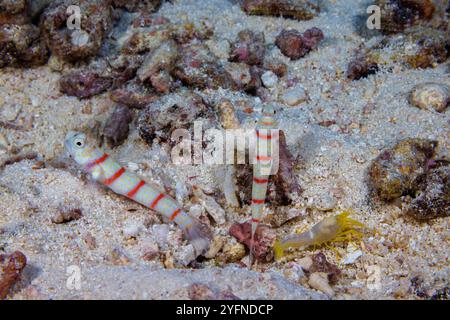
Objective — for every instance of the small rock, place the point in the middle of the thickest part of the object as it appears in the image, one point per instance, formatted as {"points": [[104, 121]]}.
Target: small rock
{"points": [[352, 256], [306, 263], [11, 267], [431, 96], [240, 75], [215, 246], [233, 252], [210, 205], [184, 255], [162, 58], [319, 281], [269, 79], [296, 45], [228, 116], [117, 126], [64, 215], [294, 96], [321, 264], [294, 272], [395, 171], [432, 198], [132, 229], [249, 48], [361, 67], [150, 251], [263, 239], [84, 84]]}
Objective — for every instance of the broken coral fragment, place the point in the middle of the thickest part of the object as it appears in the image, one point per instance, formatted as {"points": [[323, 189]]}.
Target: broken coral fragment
{"points": [[296, 9]]}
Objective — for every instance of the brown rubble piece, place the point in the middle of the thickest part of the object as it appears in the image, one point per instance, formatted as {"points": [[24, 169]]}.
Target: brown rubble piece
{"points": [[147, 39], [249, 48], [361, 66], [262, 242], [14, 12], [67, 215], [432, 200], [21, 46], [11, 267], [296, 9], [321, 264], [133, 95], [84, 83], [399, 15], [117, 126], [296, 45]]}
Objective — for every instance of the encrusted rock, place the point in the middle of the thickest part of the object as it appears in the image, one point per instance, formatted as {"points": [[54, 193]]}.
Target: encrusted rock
{"points": [[262, 242], [361, 66], [233, 252], [321, 264], [210, 205], [20, 45], [117, 126], [296, 45], [84, 83], [297, 9], [215, 246], [186, 32], [395, 171], [431, 96], [133, 95], [269, 79], [228, 116], [398, 15], [14, 12], [174, 111], [249, 48], [240, 75], [134, 5], [73, 44], [199, 68], [433, 198], [11, 267]]}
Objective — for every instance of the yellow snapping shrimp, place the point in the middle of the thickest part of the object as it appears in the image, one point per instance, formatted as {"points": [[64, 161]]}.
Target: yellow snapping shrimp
{"points": [[332, 229]]}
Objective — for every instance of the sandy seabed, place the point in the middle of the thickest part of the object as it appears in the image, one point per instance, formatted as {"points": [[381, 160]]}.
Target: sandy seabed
{"points": [[333, 176]]}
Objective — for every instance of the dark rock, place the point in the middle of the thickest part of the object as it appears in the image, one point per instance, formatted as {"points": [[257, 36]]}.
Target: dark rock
{"points": [[295, 45], [117, 126], [11, 267], [297, 9], [262, 242], [71, 44], [361, 67], [84, 84], [20, 46], [321, 264], [395, 171], [432, 199], [249, 48], [14, 12], [399, 15]]}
